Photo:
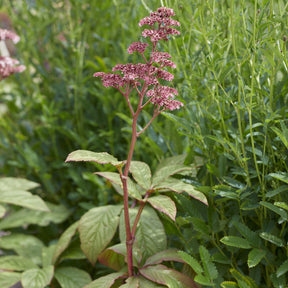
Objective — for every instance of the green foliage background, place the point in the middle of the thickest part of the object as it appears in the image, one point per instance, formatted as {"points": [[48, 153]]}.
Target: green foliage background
{"points": [[232, 76]]}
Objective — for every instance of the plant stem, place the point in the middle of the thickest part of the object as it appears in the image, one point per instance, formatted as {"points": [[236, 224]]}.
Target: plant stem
{"points": [[129, 238]]}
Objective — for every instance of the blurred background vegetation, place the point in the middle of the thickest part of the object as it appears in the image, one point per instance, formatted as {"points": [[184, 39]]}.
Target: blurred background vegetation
{"points": [[232, 76]]}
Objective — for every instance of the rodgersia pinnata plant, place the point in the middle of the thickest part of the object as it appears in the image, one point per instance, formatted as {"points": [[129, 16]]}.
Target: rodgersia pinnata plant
{"points": [[143, 244]]}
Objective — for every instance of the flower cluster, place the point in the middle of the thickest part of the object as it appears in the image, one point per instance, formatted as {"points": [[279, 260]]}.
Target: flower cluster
{"points": [[6, 34], [7, 64], [148, 73], [162, 17], [7, 67]]}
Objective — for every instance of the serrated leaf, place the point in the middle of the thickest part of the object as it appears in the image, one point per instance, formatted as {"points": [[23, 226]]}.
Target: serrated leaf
{"points": [[115, 178], [280, 176], [272, 238], [255, 256], [166, 255], [16, 263], [97, 228], [141, 174], [208, 265], [150, 235], [200, 225], [57, 214], [282, 205], [250, 235], [192, 262], [243, 280], [26, 246], [101, 158], [229, 284], [164, 204], [235, 241], [166, 172], [23, 198], [37, 278], [169, 277], [64, 240], [204, 280], [106, 281], [282, 269], [11, 183], [283, 188], [180, 187], [275, 209], [8, 279], [71, 277]]}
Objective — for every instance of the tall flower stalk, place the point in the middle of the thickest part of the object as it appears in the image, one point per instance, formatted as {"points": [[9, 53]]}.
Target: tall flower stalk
{"points": [[144, 78]]}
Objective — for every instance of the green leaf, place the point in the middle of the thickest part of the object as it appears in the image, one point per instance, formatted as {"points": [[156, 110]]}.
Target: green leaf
{"points": [[282, 205], [23, 198], [57, 214], [235, 241], [180, 187], [200, 225], [243, 280], [164, 204], [47, 255], [178, 120], [282, 269], [2, 211], [11, 183], [73, 251], [64, 241], [138, 282], [8, 279], [115, 178], [275, 209], [106, 281], [165, 276], [255, 256], [26, 246], [229, 284], [192, 262], [150, 235], [174, 160], [37, 278], [101, 158], [250, 235], [274, 192], [71, 277], [282, 176], [97, 228], [209, 267], [141, 174], [167, 171], [114, 256], [272, 238], [16, 263], [166, 255], [204, 280]]}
